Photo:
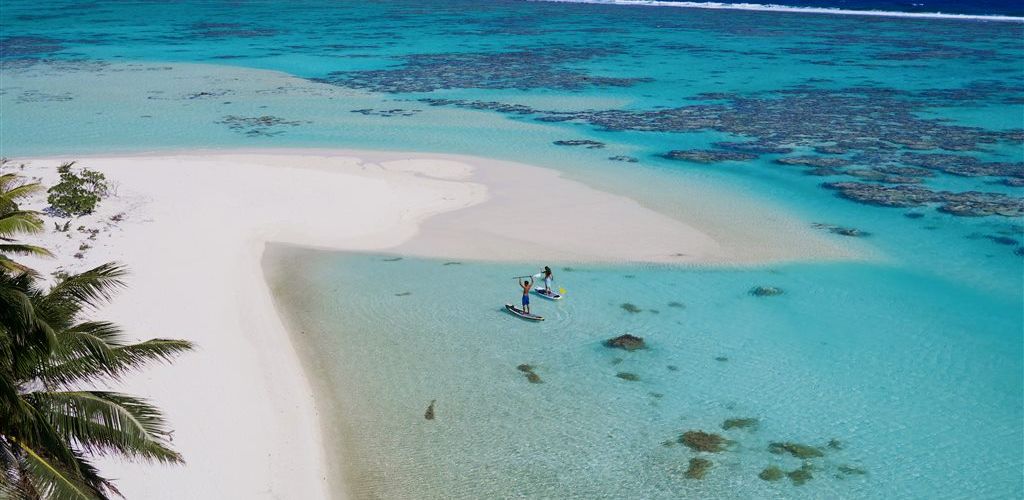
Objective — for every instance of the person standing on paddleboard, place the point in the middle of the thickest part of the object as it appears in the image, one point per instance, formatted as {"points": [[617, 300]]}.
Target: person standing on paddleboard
{"points": [[549, 278], [526, 293]]}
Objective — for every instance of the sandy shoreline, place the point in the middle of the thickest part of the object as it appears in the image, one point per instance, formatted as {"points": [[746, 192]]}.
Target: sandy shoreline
{"points": [[193, 233]]}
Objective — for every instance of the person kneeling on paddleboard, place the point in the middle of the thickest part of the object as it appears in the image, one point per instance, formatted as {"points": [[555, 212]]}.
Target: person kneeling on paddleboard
{"points": [[526, 294]]}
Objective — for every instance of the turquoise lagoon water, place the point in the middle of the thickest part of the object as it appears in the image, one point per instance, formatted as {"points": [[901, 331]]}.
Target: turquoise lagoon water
{"points": [[913, 362]]}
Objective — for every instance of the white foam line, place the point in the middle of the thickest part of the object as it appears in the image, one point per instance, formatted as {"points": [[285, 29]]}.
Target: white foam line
{"points": [[805, 10]]}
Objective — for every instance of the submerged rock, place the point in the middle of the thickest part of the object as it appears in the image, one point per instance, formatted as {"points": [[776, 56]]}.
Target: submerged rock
{"points": [[823, 171], [524, 68], [801, 475], [624, 158], [831, 150], [429, 414], [881, 129], [842, 231], [626, 341], [386, 113], [964, 204], [756, 147], [1003, 240], [813, 161], [796, 449], [632, 308], [964, 166], [254, 126], [850, 470], [581, 142], [876, 174], [708, 155], [740, 423], [698, 468], [531, 377], [631, 377], [771, 473], [835, 444], [703, 441], [765, 291]]}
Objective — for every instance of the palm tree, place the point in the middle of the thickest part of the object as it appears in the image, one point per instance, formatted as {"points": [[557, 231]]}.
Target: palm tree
{"points": [[14, 221], [49, 423]]}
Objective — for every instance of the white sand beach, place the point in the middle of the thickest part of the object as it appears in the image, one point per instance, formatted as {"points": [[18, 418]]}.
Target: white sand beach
{"points": [[192, 228]]}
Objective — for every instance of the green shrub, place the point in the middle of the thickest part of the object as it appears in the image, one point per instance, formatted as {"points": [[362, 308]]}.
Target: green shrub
{"points": [[77, 193]]}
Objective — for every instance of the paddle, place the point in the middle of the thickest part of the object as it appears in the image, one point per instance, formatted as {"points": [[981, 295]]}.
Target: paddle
{"points": [[561, 291]]}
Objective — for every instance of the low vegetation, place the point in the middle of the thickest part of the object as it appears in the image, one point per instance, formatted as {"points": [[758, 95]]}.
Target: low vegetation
{"points": [[78, 192]]}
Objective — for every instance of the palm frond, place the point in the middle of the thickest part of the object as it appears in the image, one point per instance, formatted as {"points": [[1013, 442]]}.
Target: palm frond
{"points": [[19, 319], [107, 422], [19, 249], [89, 288], [118, 362], [10, 266], [20, 222], [10, 473], [52, 479], [87, 339], [93, 478], [20, 191]]}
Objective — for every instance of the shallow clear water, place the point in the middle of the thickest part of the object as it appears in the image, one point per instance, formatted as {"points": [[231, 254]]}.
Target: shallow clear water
{"points": [[913, 362], [901, 369]]}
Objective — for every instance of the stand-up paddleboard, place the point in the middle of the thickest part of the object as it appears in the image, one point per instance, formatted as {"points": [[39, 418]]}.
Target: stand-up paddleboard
{"points": [[523, 314], [547, 294]]}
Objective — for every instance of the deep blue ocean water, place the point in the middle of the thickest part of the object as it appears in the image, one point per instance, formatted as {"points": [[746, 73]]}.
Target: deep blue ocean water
{"points": [[985, 7], [912, 362]]}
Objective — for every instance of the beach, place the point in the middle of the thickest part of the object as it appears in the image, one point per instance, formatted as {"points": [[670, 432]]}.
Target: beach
{"points": [[192, 228], [811, 214]]}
